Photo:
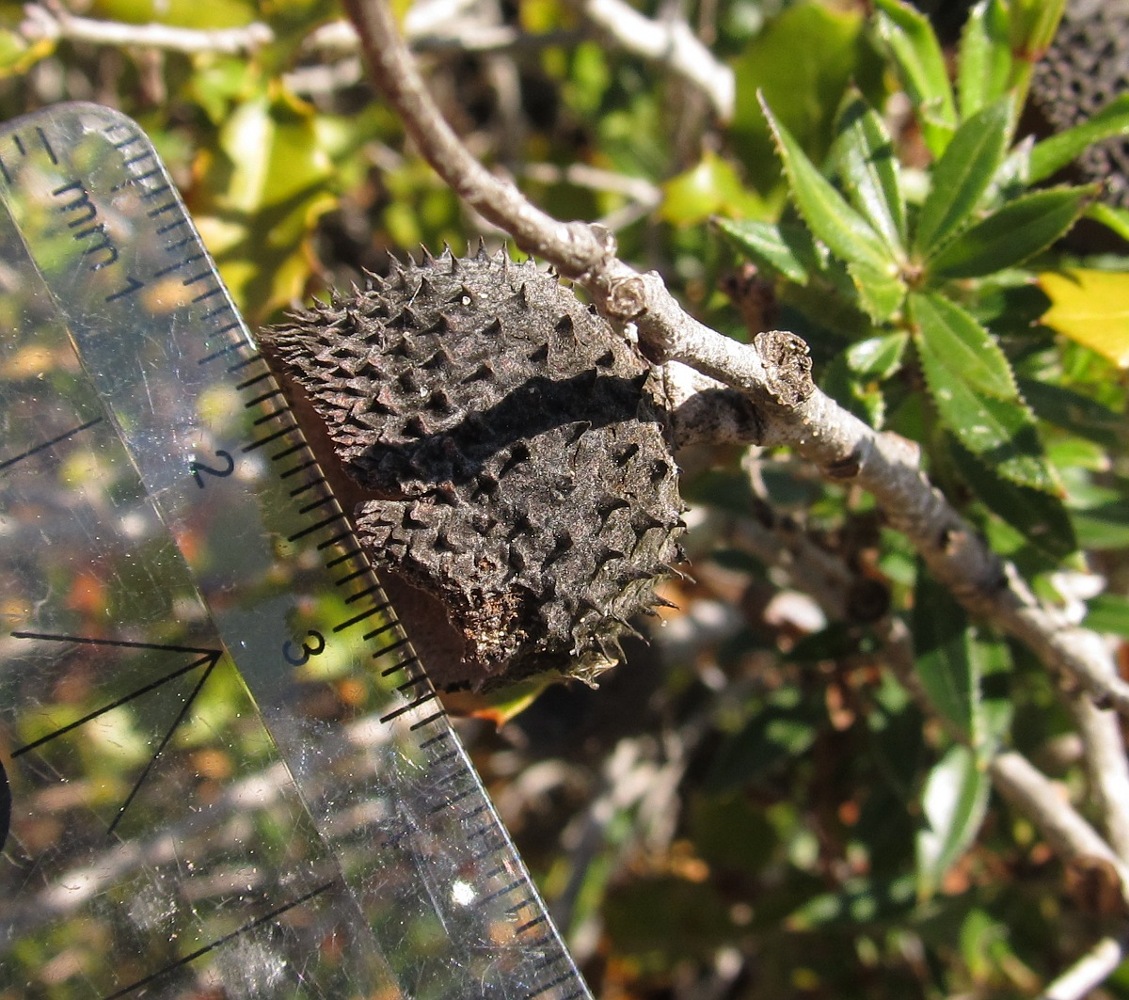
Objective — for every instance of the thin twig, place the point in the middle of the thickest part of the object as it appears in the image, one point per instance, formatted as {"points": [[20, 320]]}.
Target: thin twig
{"points": [[1107, 768], [1089, 972], [670, 43], [1062, 826], [774, 374], [56, 22]]}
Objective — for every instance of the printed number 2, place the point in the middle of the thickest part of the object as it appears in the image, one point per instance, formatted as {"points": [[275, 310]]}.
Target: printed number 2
{"points": [[297, 655], [200, 469]]}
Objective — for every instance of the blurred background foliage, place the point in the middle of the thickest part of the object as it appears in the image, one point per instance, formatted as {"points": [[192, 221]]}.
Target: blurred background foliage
{"points": [[756, 804]]}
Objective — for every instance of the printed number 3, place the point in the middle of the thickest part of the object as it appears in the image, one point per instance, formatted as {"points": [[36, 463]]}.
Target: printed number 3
{"points": [[297, 655]]}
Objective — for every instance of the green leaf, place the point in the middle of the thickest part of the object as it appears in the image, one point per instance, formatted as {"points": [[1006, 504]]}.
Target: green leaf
{"points": [[870, 171], [877, 357], [971, 385], [1033, 26], [1104, 526], [803, 61], [964, 344], [962, 176], [917, 54], [782, 729], [880, 295], [954, 803], [1108, 613], [984, 61], [1051, 155], [1040, 517], [1010, 236], [859, 396], [1113, 218], [992, 659], [786, 249], [860, 902], [1078, 414], [943, 658], [831, 219]]}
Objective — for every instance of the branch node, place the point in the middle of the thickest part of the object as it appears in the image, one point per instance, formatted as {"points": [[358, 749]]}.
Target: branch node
{"points": [[627, 299], [787, 366]]}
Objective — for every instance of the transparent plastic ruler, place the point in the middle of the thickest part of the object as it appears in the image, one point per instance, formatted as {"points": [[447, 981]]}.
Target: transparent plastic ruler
{"points": [[223, 771]]}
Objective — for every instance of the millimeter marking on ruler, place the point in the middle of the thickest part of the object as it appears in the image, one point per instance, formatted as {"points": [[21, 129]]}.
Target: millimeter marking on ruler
{"points": [[192, 506]]}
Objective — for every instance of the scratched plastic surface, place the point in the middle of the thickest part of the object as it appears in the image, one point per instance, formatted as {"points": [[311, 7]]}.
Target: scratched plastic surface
{"points": [[224, 773]]}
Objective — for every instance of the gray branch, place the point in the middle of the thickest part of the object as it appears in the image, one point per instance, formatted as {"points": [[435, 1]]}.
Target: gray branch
{"points": [[773, 374]]}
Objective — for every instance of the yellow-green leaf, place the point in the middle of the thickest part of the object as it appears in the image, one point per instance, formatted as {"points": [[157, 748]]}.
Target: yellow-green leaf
{"points": [[711, 187], [258, 199], [1091, 308]]}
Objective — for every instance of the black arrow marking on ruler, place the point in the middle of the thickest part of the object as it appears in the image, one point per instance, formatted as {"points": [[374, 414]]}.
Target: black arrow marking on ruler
{"points": [[207, 658], [7, 462], [266, 918]]}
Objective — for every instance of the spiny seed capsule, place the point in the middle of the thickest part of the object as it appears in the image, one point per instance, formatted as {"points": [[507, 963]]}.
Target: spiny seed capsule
{"points": [[1085, 68], [507, 456]]}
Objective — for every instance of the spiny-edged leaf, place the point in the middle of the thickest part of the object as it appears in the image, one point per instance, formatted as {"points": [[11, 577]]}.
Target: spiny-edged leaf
{"points": [[984, 61], [962, 175], [921, 65], [880, 294], [966, 347], [942, 654], [1000, 431], [1040, 517], [1051, 155], [877, 357], [953, 803], [870, 171], [847, 234], [782, 247], [1113, 218], [1011, 235], [974, 396], [1091, 308]]}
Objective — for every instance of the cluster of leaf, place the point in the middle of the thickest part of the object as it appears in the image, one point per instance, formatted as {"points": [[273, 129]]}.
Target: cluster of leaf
{"points": [[924, 291], [923, 277]]}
